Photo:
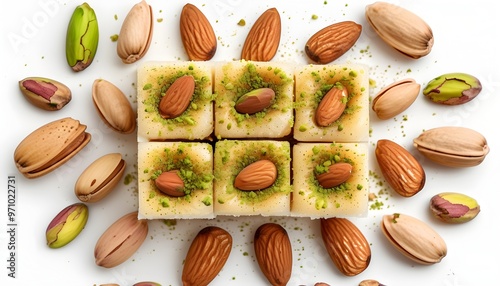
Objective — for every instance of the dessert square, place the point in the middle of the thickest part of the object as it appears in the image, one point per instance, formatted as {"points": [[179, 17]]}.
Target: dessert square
{"points": [[194, 163], [235, 79], [348, 199], [230, 157], [153, 80], [312, 83]]}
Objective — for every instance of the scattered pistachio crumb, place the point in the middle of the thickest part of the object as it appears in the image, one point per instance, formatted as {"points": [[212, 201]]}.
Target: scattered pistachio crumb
{"points": [[314, 16], [116, 17], [241, 22], [159, 20], [114, 38]]}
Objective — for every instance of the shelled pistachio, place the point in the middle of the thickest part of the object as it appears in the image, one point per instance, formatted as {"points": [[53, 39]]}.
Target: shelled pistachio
{"points": [[45, 93], [66, 225], [82, 38]]}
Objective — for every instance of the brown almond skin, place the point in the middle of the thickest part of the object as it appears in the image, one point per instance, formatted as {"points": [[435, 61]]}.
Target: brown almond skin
{"points": [[170, 184], [337, 174], [197, 34], [400, 169], [206, 256], [256, 176], [273, 251], [331, 42], [177, 98], [331, 106], [346, 245], [263, 40]]}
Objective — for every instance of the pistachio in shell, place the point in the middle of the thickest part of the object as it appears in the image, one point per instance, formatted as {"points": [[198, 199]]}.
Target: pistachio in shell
{"points": [[100, 178]]}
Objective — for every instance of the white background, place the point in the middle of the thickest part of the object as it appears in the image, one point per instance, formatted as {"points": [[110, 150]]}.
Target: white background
{"points": [[32, 39]]}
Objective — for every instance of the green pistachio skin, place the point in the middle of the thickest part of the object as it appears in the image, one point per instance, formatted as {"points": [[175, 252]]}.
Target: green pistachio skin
{"points": [[67, 225], [45, 93], [453, 88], [454, 208], [82, 38]]}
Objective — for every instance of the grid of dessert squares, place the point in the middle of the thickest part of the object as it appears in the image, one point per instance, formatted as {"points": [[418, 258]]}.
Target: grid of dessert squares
{"points": [[210, 143]]}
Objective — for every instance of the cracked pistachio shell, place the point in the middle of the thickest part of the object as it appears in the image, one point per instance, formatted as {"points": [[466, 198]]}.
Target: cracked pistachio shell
{"points": [[67, 224], [452, 146], [50, 146], [113, 106], [120, 241], [414, 238], [453, 88], [100, 178], [45, 93], [395, 98], [454, 207], [400, 28], [136, 33], [82, 38]]}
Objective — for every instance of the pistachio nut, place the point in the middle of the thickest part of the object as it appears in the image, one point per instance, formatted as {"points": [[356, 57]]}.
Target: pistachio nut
{"points": [[452, 146], [146, 283], [113, 107], [414, 238], [400, 28], [82, 38], [66, 225], [255, 100], [454, 207], [50, 146], [453, 88], [136, 33], [45, 93], [100, 178], [395, 98], [120, 241], [370, 282]]}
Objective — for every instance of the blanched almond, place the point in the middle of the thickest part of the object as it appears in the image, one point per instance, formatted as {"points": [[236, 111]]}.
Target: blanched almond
{"points": [[256, 176]]}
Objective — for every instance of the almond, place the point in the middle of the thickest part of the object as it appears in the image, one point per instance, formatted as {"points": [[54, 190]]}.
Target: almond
{"points": [[273, 251], [336, 175], [346, 245], [400, 169], [206, 256], [255, 100], [331, 106], [263, 40], [197, 34], [331, 42], [256, 176], [177, 97], [170, 183]]}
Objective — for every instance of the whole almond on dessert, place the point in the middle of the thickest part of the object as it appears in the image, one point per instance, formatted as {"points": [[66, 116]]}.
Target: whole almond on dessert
{"points": [[346, 245], [255, 100], [414, 238], [401, 170], [331, 42], [263, 40], [401, 29], [197, 34], [206, 256], [120, 241], [395, 98], [273, 251], [177, 97], [336, 174], [170, 183], [331, 106], [256, 176]]}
